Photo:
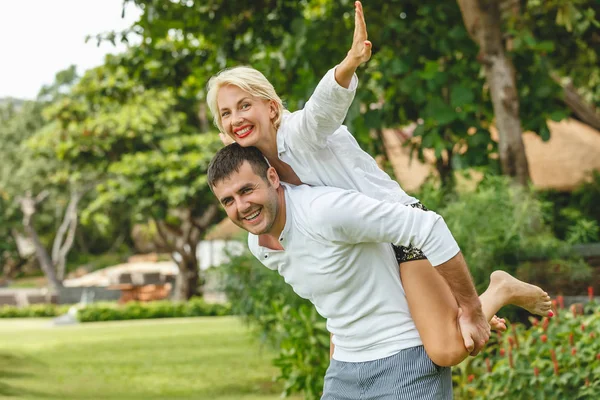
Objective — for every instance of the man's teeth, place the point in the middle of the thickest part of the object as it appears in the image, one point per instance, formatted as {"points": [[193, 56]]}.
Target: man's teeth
{"points": [[252, 216], [243, 131]]}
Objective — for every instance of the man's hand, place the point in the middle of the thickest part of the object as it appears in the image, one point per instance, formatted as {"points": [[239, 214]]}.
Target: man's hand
{"points": [[360, 52], [474, 328]]}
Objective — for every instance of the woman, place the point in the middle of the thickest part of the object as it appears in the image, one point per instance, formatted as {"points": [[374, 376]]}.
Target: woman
{"points": [[312, 146]]}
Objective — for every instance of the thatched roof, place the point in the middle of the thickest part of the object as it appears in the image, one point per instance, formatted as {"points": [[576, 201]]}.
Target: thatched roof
{"points": [[563, 162]]}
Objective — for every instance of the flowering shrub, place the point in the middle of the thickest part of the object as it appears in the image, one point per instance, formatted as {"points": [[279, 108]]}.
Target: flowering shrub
{"points": [[557, 358]]}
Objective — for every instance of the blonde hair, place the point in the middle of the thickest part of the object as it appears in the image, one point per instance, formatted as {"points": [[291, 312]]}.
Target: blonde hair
{"points": [[249, 80]]}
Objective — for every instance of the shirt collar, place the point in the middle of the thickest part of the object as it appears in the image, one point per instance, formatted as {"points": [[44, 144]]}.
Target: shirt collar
{"points": [[280, 135]]}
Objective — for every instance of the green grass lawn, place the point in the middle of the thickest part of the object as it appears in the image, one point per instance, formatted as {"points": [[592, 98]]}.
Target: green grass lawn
{"points": [[193, 358]]}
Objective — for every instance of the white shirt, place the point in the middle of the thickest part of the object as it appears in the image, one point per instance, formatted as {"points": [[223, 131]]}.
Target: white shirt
{"points": [[337, 255], [323, 152]]}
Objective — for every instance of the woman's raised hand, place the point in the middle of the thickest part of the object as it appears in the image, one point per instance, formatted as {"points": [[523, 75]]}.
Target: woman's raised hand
{"points": [[360, 51]]}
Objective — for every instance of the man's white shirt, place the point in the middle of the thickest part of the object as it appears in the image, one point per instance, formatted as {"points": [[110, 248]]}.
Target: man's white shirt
{"points": [[337, 255]]}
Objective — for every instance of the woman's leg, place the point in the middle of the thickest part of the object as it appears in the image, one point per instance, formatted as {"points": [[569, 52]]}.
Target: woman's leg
{"points": [[435, 311]]}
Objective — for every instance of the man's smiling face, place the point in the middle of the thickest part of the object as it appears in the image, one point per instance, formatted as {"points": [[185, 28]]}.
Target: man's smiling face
{"points": [[250, 201]]}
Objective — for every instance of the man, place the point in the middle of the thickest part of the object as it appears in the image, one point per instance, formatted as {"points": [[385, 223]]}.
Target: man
{"points": [[332, 247]]}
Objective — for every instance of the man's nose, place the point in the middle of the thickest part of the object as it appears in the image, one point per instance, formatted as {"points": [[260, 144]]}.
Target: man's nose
{"points": [[242, 205]]}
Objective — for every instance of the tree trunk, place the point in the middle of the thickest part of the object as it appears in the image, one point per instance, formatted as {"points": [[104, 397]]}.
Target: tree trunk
{"points": [[183, 241], [482, 19], [65, 236], [189, 281], [585, 111], [29, 208]]}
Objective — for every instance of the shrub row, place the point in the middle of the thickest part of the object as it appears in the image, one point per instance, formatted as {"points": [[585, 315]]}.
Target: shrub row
{"points": [[33, 311], [195, 307]]}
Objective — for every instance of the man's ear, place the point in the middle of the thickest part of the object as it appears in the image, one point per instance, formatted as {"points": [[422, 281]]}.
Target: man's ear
{"points": [[273, 177]]}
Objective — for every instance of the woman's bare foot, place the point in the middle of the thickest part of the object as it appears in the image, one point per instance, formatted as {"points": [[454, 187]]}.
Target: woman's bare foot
{"points": [[498, 324], [520, 294]]}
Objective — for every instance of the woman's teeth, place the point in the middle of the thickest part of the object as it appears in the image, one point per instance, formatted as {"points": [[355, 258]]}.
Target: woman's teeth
{"points": [[243, 131]]}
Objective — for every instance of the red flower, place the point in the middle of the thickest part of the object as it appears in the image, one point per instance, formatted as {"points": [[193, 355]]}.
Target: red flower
{"points": [[554, 361], [536, 371], [502, 352], [573, 351], [561, 301], [544, 338], [545, 322], [582, 327], [598, 356], [591, 293], [571, 341], [470, 378], [511, 342]]}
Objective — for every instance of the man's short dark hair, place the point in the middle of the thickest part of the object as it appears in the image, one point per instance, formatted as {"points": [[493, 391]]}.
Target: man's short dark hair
{"points": [[230, 159]]}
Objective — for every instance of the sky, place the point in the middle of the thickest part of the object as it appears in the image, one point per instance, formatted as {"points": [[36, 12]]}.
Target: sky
{"points": [[39, 38]]}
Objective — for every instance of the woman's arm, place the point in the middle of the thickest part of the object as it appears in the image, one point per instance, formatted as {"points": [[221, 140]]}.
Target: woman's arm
{"points": [[326, 109], [359, 53]]}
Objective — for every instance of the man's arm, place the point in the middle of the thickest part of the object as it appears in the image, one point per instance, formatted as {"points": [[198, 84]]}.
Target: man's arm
{"points": [[353, 217], [474, 327]]}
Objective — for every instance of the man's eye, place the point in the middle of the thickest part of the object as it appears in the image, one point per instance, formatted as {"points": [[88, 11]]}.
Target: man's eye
{"points": [[247, 190]]}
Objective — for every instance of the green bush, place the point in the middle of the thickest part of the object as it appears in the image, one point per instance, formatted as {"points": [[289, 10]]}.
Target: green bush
{"points": [[283, 320], [500, 226], [33, 311], [556, 358], [195, 307], [575, 216]]}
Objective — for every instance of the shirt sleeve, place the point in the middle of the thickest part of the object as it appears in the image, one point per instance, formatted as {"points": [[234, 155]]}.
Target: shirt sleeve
{"points": [[322, 114], [352, 217]]}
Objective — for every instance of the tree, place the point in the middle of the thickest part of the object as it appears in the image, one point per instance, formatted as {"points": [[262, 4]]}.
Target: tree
{"points": [[143, 154], [29, 177], [483, 21], [424, 68]]}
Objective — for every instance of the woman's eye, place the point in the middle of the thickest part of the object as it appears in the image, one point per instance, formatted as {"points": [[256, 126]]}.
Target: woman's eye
{"points": [[245, 105], [226, 113]]}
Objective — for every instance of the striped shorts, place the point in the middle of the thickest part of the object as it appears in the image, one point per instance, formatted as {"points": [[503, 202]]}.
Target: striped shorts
{"points": [[407, 375]]}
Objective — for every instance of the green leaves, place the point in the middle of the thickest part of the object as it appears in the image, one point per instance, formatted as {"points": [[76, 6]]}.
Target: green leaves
{"points": [[440, 112], [461, 96]]}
